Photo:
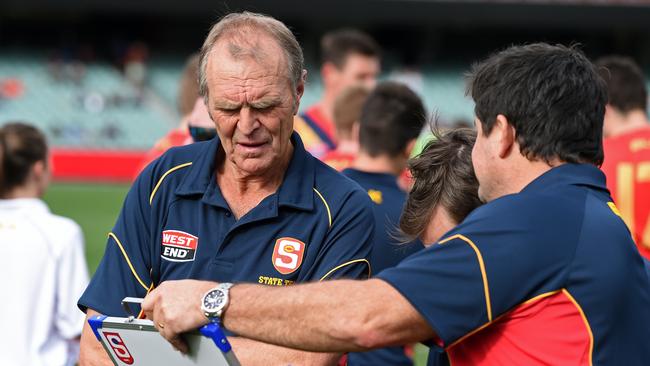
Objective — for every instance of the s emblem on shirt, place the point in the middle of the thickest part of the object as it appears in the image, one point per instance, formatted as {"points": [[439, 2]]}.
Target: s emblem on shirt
{"points": [[178, 246], [287, 255]]}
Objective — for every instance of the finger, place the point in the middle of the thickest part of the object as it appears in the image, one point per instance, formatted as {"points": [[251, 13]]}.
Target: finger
{"points": [[178, 343], [148, 315], [148, 303]]}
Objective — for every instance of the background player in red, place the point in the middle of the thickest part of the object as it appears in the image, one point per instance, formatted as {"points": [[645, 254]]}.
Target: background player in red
{"points": [[349, 57], [347, 111], [627, 145]]}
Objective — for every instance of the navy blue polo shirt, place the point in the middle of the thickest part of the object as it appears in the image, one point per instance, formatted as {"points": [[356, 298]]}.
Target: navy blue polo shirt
{"points": [[387, 251], [176, 224], [550, 275]]}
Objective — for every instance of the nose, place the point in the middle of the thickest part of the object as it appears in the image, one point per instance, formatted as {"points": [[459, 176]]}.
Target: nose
{"points": [[248, 121]]}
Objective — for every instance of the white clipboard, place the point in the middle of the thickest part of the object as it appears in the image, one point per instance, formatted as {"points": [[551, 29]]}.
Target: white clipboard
{"points": [[130, 341]]}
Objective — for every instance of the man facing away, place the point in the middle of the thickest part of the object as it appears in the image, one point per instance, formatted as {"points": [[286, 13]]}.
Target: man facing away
{"points": [[544, 273], [250, 205], [627, 145], [349, 57], [390, 123]]}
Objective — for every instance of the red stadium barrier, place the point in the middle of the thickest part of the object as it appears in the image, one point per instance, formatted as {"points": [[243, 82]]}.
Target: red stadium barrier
{"points": [[95, 165]]}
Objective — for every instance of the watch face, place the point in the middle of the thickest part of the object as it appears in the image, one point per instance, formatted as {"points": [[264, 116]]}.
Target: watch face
{"points": [[213, 300]]}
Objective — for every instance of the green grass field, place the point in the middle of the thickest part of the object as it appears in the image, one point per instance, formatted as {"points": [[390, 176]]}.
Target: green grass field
{"points": [[95, 208]]}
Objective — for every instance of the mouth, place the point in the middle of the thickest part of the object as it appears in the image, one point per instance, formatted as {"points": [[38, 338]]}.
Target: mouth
{"points": [[251, 147]]}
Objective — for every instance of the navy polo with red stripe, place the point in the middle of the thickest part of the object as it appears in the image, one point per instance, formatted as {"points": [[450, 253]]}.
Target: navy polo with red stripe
{"points": [[548, 276]]}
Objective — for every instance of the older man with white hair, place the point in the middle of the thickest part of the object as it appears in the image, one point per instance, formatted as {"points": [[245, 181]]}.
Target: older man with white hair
{"points": [[250, 205]]}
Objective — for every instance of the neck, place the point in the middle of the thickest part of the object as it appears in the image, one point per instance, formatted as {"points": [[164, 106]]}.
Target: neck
{"points": [[378, 164], [347, 146], [519, 177], [25, 191], [630, 121]]}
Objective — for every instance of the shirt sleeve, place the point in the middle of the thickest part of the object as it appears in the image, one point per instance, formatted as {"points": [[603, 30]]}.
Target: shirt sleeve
{"points": [[348, 244], [72, 278], [125, 269], [445, 285], [493, 261]]}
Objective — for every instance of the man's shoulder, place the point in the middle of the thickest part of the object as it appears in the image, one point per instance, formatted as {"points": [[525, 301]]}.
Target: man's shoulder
{"points": [[61, 231], [181, 154], [336, 186], [174, 159], [526, 216]]}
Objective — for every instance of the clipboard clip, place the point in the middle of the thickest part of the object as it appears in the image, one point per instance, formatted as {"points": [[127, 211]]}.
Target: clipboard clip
{"points": [[127, 308]]}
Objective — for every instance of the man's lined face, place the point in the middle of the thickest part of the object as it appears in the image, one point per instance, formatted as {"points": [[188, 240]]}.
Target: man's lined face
{"points": [[252, 103]]}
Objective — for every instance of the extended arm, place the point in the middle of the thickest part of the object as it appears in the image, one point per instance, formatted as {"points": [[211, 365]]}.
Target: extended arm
{"points": [[334, 316]]}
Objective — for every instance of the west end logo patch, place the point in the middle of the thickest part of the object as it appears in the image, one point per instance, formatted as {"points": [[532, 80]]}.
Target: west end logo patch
{"points": [[119, 348], [287, 255], [178, 246]]}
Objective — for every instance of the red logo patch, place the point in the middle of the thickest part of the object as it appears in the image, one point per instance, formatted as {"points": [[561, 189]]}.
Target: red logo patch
{"points": [[178, 246], [119, 348], [287, 255]]}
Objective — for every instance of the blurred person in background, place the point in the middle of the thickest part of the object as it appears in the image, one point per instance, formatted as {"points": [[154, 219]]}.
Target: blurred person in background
{"points": [[391, 120], [349, 57], [347, 110], [45, 268], [195, 125], [251, 205], [626, 143], [188, 94]]}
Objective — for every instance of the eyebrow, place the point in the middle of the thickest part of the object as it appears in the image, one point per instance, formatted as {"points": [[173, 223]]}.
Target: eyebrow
{"points": [[225, 104], [263, 103]]}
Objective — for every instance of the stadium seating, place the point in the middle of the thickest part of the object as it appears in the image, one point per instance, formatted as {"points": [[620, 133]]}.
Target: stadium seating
{"points": [[101, 111]]}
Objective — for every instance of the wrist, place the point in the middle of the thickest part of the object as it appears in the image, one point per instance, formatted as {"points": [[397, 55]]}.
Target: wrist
{"points": [[215, 301]]}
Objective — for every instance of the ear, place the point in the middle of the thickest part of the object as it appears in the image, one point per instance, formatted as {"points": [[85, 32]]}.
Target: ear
{"points": [[505, 138], [409, 148], [39, 169], [41, 176], [328, 73], [300, 91], [355, 131]]}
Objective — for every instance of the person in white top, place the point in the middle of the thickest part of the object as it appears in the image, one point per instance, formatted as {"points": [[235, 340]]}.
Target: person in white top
{"points": [[43, 270]]}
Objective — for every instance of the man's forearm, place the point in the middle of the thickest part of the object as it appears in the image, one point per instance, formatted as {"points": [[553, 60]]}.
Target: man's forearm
{"points": [[253, 353], [332, 316], [91, 352], [335, 316]]}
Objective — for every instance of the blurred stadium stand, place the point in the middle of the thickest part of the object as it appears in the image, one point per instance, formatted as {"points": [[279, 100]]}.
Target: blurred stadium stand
{"points": [[62, 62]]}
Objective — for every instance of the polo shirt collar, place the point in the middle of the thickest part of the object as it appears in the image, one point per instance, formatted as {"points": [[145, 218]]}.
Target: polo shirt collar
{"points": [[295, 190], [569, 174]]}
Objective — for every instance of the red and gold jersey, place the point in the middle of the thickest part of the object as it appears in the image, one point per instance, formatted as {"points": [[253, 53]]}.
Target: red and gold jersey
{"points": [[316, 131], [176, 137], [627, 167], [338, 160]]}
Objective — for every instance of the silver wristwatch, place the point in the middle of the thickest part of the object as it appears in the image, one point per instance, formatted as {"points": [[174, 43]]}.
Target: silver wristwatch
{"points": [[215, 301]]}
